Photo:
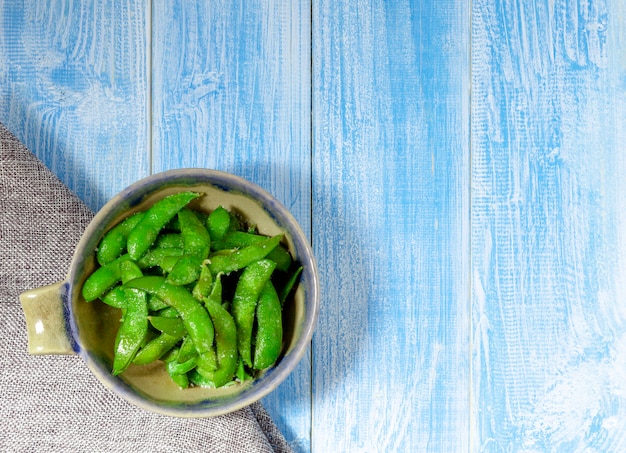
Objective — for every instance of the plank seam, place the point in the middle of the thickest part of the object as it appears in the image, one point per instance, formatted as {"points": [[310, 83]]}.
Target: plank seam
{"points": [[311, 182], [470, 282], [149, 88]]}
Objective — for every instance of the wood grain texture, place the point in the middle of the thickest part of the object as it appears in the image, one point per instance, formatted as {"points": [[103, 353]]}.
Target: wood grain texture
{"points": [[391, 225], [73, 88], [467, 207], [548, 312], [231, 91]]}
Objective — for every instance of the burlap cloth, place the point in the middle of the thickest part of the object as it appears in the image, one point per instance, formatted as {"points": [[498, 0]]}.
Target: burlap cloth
{"points": [[53, 403]]}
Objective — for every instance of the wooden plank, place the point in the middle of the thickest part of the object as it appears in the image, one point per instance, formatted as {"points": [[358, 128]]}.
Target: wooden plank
{"points": [[548, 222], [391, 225], [231, 91], [73, 87]]}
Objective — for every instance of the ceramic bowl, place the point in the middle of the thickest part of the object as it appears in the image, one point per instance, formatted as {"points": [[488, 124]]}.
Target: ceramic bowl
{"points": [[60, 321]]}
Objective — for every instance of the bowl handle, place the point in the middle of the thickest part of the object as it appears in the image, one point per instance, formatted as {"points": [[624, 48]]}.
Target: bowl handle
{"points": [[46, 323]]}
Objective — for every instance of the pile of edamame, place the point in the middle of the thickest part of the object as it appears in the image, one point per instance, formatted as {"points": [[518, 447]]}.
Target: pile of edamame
{"points": [[202, 292]]}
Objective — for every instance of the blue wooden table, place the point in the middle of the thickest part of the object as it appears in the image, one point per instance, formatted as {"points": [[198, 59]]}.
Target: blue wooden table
{"points": [[459, 166]]}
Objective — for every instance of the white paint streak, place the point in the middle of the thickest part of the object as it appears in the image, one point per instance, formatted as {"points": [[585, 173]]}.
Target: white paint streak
{"points": [[582, 405]]}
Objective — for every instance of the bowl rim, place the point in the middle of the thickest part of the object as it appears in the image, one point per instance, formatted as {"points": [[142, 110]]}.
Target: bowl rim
{"points": [[223, 181]]}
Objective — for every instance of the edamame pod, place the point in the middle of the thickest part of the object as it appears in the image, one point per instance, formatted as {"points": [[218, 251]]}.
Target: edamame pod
{"points": [[269, 334], [103, 279], [202, 288], [113, 244], [196, 246], [195, 237], [239, 239], [249, 286], [243, 257], [115, 298], [175, 367], [168, 325], [186, 270], [132, 331], [289, 285], [195, 318], [225, 342], [169, 240], [143, 235], [218, 223], [134, 327], [155, 304], [157, 256], [187, 350], [156, 348], [180, 379]]}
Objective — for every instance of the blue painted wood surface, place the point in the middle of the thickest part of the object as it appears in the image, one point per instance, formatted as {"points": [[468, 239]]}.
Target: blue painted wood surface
{"points": [[548, 311], [391, 225], [457, 165]]}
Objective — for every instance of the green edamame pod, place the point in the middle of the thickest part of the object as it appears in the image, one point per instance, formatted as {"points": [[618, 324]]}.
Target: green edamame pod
{"points": [[181, 380], [186, 270], [103, 279], [134, 327], [225, 343], [168, 325], [171, 354], [241, 374], [202, 287], [251, 282], [169, 241], [243, 257], [115, 298], [175, 367], [132, 330], [207, 362], [187, 350], [269, 334], [168, 263], [196, 239], [239, 239], [156, 348], [155, 304], [198, 379], [195, 317], [216, 291], [168, 312], [218, 223], [143, 235], [157, 256], [129, 271], [196, 246], [113, 244], [289, 285]]}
